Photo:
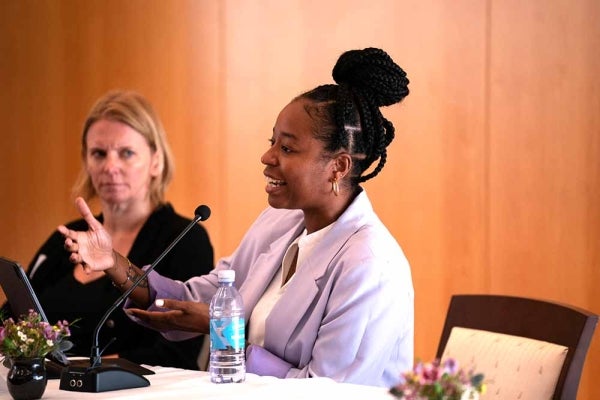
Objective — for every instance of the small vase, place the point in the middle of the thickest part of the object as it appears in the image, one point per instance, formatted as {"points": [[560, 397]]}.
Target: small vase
{"points": [[27, 378]]}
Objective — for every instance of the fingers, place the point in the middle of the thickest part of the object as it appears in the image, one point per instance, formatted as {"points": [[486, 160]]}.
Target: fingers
{"points": [[77, 259], [64, 230], [161, 321], [186, 307], [72, 247], [186, 316], [142, 315], [138, 313], [86, 213], [68, 234], [171, 304]]}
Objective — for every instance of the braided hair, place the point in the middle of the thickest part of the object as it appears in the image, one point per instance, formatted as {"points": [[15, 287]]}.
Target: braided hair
{"points": [[347, 117]]}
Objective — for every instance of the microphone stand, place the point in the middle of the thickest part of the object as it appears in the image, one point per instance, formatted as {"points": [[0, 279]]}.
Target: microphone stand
{"points": [[102, 378]]}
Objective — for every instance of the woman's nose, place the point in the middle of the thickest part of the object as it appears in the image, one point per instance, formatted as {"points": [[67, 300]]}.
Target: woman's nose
{"points": [[269, 158], [111, 163]]}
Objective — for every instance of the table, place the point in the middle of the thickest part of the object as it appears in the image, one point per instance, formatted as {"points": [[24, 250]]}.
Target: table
{"points": [[174, 383]]}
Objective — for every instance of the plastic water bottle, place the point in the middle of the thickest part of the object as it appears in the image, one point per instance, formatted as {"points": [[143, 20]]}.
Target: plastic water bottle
{"points": [[227, 362]]}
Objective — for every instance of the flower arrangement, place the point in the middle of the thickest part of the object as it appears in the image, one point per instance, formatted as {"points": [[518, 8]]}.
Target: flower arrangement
{"points": [[439, 381], [30, 337]]}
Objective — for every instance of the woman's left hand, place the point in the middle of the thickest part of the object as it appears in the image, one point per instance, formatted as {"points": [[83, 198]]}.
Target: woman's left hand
{"points": [[186, 316]]}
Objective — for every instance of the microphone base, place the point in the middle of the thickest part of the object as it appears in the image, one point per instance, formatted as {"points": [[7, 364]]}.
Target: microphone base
{"points": [[100, 379]]}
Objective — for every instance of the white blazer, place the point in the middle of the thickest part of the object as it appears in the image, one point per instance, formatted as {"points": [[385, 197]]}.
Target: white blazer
{"points": [[348, 314]]}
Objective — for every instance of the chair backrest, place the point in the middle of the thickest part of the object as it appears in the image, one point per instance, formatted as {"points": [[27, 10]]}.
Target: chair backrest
{"points": [[546, 321]]}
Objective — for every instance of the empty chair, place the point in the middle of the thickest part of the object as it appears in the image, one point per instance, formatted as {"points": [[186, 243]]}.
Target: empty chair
{"points": [[526, 348]]}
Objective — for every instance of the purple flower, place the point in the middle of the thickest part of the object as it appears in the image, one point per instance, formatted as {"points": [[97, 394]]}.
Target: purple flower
{"points": [[30, 336], [450, 366], [437, 380]]}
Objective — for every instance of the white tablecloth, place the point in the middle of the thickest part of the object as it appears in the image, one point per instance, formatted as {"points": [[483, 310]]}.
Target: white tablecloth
{"points": [[173, 383]]}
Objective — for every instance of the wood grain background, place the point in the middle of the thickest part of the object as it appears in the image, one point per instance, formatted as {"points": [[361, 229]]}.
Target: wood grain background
{"points": [[492, 184]]}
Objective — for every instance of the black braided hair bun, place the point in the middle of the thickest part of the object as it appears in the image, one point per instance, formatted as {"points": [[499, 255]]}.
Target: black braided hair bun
{"points": [[373, 71]]}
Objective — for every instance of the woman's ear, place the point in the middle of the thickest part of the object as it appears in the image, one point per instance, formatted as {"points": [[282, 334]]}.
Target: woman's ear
{"points": [[156, 164], [342, 165]]}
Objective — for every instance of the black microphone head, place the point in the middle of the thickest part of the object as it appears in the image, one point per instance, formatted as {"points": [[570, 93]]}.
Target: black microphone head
{"points": [[203, 212]]}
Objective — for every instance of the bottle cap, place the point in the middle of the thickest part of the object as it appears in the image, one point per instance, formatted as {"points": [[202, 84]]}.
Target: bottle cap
{"points": [[226, 275]]}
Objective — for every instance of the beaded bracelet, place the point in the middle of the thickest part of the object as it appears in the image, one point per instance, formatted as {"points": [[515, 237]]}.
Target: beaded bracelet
{"points": [[128, 274]]}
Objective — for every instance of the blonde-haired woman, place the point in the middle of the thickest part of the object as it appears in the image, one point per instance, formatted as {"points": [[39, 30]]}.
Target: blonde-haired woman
{"points": [[126, 165]]}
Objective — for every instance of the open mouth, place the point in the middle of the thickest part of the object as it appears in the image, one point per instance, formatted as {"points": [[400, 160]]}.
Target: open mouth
{"points": [[274, 182]]}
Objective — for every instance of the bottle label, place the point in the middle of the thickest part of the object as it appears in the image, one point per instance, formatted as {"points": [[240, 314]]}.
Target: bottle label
{"points": [[227, 333]]}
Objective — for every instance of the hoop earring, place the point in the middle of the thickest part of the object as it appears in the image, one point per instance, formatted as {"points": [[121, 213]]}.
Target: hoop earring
{"points": [[335, 187]]}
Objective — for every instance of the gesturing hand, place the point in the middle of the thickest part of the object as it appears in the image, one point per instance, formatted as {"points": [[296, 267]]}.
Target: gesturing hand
{"points": [[91, 249], [179, 315]]}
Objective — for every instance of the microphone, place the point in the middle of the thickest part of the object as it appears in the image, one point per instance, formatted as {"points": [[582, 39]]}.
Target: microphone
{"points": [[102, 378]]}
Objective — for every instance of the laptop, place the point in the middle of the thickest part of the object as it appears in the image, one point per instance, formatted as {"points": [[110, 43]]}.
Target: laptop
{"points": [[21, 298], [18, 290]]}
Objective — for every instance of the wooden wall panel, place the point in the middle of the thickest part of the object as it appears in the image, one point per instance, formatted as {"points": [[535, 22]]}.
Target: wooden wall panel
{"points": [[429, 193], [491, 185], [59, 57], [544, 155], [36, 144]]}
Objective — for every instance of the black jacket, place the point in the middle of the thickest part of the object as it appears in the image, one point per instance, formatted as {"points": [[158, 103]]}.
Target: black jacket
{"points": [[63, 298]]}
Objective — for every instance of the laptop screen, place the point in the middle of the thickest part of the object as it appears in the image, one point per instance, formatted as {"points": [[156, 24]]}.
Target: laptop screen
{"points": [[18, 290]]}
